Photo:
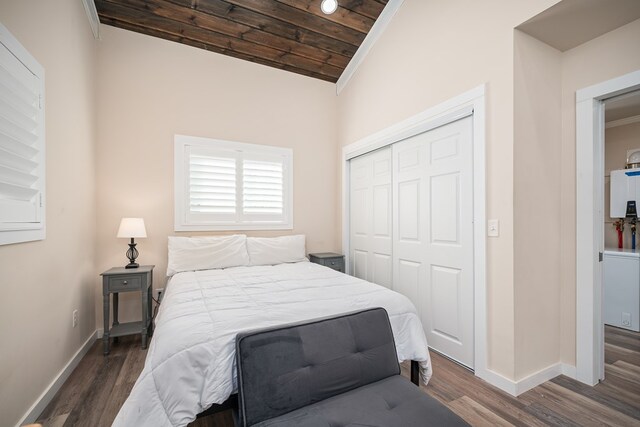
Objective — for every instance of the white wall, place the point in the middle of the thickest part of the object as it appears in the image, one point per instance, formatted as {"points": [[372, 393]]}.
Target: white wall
{"points": [[43, 282], [536, 210], [150, 89]]}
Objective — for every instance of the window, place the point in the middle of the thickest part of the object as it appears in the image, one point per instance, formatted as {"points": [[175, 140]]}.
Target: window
{"points": [[22, 168], [223, 185]]}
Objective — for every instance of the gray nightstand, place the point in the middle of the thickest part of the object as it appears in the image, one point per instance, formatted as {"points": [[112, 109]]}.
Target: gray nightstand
{"points": [[120, 279], [329, 259]]}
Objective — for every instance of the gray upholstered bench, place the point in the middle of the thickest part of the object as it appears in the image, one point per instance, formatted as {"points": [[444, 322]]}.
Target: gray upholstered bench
{"points": [[341, 371]]}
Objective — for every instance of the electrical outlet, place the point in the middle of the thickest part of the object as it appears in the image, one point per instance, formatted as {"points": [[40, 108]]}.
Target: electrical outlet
{"points": [[75, 317], [626, 319], [159, 294]]}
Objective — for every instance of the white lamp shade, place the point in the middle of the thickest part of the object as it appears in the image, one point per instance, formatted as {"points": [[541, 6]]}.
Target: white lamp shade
{"points": [[132, 227]]}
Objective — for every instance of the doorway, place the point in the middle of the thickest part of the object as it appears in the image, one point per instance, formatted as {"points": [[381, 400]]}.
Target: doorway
{"points": [[590, 124]]}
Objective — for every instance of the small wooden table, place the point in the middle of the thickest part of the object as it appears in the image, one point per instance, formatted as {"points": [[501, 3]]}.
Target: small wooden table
{"points": [[329, 259], [120, 279]]}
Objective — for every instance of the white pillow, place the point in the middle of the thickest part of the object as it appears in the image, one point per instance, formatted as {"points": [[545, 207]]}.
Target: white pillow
{"points": [[276, 250], [206, 252]]}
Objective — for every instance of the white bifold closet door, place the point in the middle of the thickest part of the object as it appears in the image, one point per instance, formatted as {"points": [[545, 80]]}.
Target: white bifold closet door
{"points": [[433, 234], [370, 217]]}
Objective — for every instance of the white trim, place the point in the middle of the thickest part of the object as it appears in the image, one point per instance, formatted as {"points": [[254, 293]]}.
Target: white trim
{"points": [[346, 179], [48, 394], [531, 381], [480, 236], [472, 103], [622, 122], [92, 14], [569, 371], [610, 88], [516, 388], [374, 34], [499, 381], [589, 219], [537, 378]]}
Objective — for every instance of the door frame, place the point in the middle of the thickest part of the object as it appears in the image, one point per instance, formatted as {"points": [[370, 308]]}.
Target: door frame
{"points": [[589, 222], [470, 103]]}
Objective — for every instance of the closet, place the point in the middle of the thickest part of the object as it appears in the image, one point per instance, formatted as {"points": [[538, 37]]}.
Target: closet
{"points": [[411, 229]]}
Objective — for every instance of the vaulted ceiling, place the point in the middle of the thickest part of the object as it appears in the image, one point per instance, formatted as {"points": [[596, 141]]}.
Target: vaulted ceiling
{"points": [[292, 35]]}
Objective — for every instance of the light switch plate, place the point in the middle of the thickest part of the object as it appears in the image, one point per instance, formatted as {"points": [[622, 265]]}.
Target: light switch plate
{"points": [[493, 228]]}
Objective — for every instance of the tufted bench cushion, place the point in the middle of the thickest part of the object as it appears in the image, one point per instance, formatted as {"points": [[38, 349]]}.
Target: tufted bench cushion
{"points": [[285, 368], [330, 372], [393, 401]]}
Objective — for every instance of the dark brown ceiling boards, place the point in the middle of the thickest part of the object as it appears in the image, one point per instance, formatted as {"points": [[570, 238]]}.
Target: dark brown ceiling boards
{"points": [[292, 35]]}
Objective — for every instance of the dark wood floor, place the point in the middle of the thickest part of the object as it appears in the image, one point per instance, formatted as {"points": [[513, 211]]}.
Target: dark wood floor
{"points": [[97, 388]]}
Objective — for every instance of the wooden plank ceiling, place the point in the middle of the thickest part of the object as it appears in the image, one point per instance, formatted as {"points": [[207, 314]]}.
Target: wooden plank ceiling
{"points": [[292, 35]]}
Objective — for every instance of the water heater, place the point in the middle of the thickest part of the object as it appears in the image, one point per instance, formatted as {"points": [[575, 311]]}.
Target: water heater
{"points": [[625, 187]]}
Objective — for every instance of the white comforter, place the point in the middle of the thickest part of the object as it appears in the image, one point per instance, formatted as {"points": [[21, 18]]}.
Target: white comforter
{"points": [[191, 360]]}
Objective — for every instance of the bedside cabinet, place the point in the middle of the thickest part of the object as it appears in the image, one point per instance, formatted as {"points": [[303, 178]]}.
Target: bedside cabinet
{"points": [[120, 279], [329, 259]]}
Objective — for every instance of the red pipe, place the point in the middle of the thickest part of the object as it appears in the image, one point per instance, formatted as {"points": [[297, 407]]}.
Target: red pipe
{"points": [[619, 238]]}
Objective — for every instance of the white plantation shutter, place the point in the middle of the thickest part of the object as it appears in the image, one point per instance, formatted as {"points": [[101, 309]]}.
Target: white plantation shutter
{"points": [[212, 184], [21, 144], [262, 188], [223, 185]]}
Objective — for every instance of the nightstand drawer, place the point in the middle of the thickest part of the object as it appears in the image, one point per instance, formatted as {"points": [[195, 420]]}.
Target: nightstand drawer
{"points": [[335, 263], [124, 283]]}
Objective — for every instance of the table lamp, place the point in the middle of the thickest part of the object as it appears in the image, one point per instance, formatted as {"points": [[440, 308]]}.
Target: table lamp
{"points": [[130, 228]]}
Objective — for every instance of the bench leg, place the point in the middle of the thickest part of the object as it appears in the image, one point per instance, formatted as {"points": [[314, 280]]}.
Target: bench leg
{"points": [[415, 373]]}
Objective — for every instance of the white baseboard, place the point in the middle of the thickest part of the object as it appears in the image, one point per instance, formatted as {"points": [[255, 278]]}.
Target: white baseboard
{"points": [[569, 371], [47, 395], [499, 381], [537, 378], [516, 388]]}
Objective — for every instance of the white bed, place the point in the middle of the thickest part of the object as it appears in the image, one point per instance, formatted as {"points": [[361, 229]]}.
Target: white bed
{"points": [[190, 364]]}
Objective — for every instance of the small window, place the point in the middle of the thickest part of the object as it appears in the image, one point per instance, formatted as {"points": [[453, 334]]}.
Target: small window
{"points": [[223, 185], [22, 168]]}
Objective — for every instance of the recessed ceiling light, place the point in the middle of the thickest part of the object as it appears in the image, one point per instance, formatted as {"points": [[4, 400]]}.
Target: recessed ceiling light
{"points": [[329, 6]]}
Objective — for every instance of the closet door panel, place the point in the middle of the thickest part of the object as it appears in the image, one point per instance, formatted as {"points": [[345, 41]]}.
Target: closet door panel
{"points": [[382, 211], [371, 217], [408, 213], [444, 209], [382, 269], [433, 234], [360, 217], [444, 303], [360, 263], [409, 201], [448, 303], [408, 277]]}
